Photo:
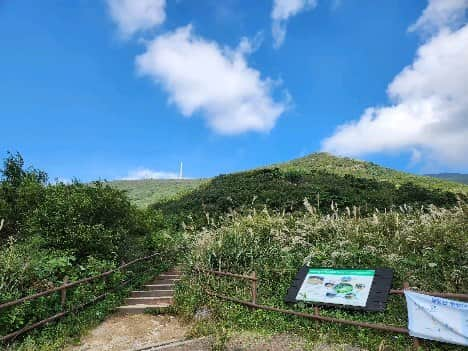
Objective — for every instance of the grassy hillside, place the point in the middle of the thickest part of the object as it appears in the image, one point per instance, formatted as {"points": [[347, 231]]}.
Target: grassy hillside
{"points": [[368, 170], [147, 191], [424, 245], [323, 179], [426, 248], [454, 177]]}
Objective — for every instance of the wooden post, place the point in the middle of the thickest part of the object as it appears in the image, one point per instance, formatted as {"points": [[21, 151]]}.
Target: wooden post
{"points": [[254, 287], [316, 310], [123, 270], [63, 293], [416, 342]]}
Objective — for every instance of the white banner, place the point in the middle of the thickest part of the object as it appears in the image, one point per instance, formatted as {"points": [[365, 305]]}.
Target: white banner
{"points": [[435, 318]]}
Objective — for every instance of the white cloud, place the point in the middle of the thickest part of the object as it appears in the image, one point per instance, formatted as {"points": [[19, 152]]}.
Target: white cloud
{"points": [[429, 111], [132, 16], [200, 76], [145, 173], [282, 10], [441, 13]]}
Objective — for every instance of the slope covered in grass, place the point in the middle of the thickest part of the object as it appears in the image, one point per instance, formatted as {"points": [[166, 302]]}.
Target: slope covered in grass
{"points": [[338, 226], [323, 179], [147, 191], [426, 248], [453, 177], [361, 169]]}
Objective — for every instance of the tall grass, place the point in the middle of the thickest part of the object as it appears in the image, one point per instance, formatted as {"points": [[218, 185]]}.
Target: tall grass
{"points": [[425, 246]]}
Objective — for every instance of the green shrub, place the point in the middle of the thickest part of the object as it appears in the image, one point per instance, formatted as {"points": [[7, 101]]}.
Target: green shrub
{"points": [[21, 190], [90, 220]]}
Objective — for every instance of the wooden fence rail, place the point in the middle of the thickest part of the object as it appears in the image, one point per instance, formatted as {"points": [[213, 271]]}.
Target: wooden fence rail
{"points": [[75, 283], [63, 288], [316, 316], [240, 276], [253, 278], [59, 315]]}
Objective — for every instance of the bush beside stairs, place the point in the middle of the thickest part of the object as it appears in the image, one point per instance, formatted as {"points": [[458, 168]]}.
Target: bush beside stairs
{"points": [[157, 295]]}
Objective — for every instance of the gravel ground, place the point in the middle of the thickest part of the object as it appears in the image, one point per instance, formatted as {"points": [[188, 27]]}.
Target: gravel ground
{"points": [[166, 333], [130, 332], [279, 342]]}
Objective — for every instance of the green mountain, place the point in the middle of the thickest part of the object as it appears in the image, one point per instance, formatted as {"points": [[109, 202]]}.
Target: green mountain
{"points": [[454, 177], [323, 179], [361, 169], [147, 191]]}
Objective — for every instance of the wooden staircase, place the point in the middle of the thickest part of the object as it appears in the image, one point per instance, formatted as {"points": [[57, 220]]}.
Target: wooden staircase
{"points": [[157, 295]]}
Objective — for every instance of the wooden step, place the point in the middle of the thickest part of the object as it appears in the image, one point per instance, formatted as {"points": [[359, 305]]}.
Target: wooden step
{"points": [[161, 282], [168, 275], [174, 270], [159, 286], [152, 293], [165, 281], [148, 300], [134, 309], [157, 295]]}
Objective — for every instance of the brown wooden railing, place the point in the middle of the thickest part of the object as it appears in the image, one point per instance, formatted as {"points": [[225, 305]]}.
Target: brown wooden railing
{"points": [[316, 316], [63, 295]]}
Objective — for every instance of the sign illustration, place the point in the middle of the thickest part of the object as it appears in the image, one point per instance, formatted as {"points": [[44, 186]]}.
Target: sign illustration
{"points": [[363, 289], [337, 286]]}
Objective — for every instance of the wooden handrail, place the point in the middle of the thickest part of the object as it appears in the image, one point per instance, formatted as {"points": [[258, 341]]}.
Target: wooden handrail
{"points": [[59, 315], [383, 327], [317, 315], [240, 276], [392, 291], [75, 283]]}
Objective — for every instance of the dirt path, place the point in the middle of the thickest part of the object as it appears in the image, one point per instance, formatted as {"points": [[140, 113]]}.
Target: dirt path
{"points": [[130, 332], [281, 342], [137, 331]]}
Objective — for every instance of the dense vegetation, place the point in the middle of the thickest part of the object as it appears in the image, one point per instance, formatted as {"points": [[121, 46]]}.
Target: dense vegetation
{"points": [[454, 177], [53, 231], [284, 189], [148, 191], [425, 247], [322, 210], [328, 212], [361, 169]]}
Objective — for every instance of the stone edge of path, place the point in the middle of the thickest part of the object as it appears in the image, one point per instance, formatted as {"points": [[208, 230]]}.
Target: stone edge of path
{"points": [[176, 343]]}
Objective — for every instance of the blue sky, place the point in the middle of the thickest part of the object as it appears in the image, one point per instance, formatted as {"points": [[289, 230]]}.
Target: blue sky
{"points": [[109, 89]]}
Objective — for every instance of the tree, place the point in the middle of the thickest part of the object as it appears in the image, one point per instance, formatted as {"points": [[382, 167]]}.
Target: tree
{"points": [[21, 190]]}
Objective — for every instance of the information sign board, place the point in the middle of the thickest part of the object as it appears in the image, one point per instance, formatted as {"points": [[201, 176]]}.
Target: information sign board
{"points": [[350, 288], [337, 286]]}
